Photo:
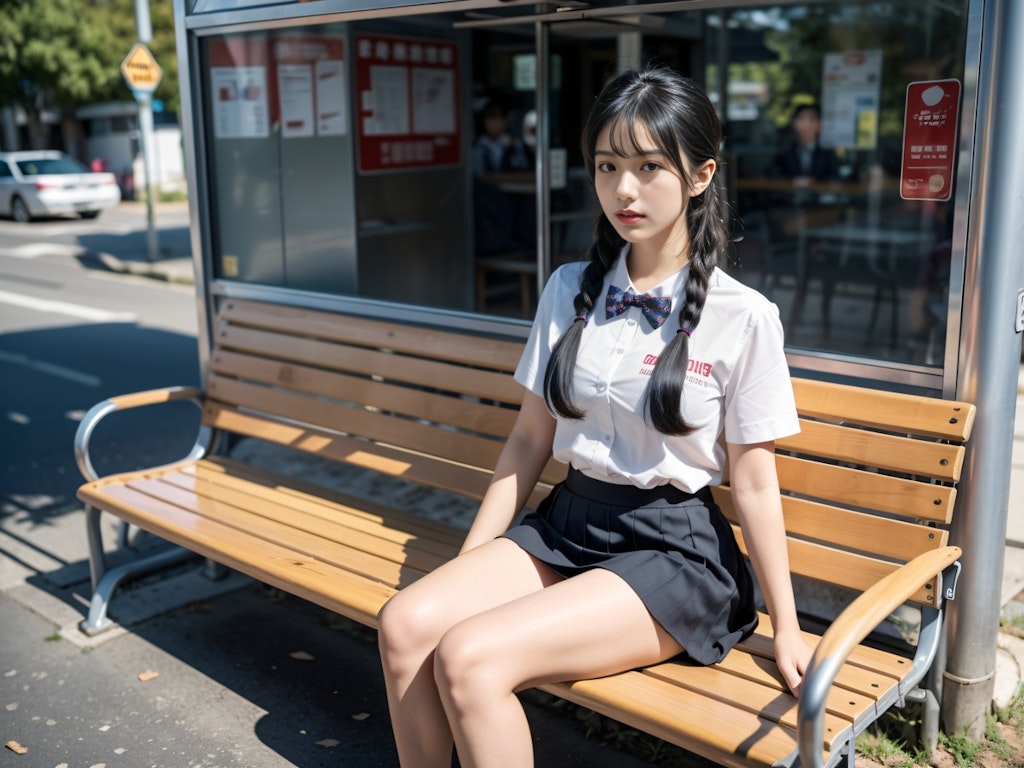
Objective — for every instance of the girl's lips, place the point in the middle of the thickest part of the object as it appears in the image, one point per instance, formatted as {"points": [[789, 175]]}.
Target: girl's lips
{"points": [[628, 217]]}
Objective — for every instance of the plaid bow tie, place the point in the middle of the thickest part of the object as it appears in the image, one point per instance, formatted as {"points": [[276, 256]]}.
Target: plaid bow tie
{"points": [[656, 309]]}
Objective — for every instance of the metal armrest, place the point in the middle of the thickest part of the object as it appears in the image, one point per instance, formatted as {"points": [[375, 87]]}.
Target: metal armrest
{"points": [[849, 629], [122, 402]]}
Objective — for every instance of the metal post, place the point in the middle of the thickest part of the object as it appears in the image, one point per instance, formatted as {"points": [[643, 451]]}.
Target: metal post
{"points": [[8, 130], [542, 103], [145, 104], [990, 349]]}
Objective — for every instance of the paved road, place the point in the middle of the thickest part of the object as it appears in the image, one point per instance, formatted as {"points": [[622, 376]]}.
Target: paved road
{"points": [[245, 678]]}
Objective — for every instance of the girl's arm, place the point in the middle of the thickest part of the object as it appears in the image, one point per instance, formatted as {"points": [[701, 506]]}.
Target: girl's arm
{"points": [[526, 451], [755, 492]]}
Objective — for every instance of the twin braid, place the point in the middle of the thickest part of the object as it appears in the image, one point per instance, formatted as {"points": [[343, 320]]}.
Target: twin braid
{"points": [[558, 378], [708, 238]]}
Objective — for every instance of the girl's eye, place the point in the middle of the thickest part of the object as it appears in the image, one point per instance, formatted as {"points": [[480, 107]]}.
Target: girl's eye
{"points": [[605, 167], [650, 166]]}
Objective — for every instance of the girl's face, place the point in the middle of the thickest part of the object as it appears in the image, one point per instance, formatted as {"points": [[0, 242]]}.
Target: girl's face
{"points": [[643, 195]]}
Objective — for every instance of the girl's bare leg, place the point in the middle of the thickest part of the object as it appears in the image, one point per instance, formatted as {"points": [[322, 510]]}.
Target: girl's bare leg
{"points": [[413, 623], [590, 625]]}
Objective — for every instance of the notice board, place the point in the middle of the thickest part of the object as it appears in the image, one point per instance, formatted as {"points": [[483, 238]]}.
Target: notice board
{"points": [[408, 104]]}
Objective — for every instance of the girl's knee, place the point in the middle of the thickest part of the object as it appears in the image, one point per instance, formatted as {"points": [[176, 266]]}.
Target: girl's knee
{"points": [[404, 629], [465, 667]]}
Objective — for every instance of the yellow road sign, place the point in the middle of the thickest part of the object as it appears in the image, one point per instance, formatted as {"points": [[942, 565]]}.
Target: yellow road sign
{"points": [[140, 69]]}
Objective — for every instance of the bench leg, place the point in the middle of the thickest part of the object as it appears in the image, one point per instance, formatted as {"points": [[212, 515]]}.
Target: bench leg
{"points": [[97, 560], [214, 571], [98, 621]]}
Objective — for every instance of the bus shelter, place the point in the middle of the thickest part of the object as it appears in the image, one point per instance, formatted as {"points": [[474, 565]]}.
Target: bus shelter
{"points": [[420, 160]]}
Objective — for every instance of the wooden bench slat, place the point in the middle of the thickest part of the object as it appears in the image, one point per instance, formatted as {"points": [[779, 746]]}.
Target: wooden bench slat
{"points": [[420, 467], [333, 588], [457, 412], [426, 342], [847, 529], [892, 412], [867, 490], [763, 700], [382, 541], [872, 449], [869, 686], [479, 382], [736, 737], [445, 443], [384, 565], [845, 569], [881, 662], [292, 492]]}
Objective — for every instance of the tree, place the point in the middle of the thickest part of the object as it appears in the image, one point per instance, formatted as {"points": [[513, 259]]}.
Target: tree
{"points": [[62, 54]]}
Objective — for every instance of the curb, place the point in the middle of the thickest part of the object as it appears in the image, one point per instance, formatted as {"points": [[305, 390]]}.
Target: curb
{"points": [[148, 269]]}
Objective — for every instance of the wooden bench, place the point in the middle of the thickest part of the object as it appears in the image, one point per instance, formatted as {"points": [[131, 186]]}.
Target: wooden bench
{"points": [[869, 489]]}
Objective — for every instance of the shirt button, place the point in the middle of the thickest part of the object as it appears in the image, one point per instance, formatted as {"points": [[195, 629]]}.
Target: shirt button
{"points": [[619, 351], [601, 387], [607, 438], [631, 322]]}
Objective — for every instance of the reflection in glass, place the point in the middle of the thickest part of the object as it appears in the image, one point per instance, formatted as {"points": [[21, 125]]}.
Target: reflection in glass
{"points": [[439, 207], [814, 99]]}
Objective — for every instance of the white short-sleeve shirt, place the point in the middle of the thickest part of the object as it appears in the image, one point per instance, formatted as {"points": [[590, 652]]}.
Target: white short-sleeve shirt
{"points": [[737, 389]]}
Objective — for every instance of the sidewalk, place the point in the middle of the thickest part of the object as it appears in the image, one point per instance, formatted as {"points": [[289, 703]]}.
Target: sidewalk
{"points": [[174, 255]]}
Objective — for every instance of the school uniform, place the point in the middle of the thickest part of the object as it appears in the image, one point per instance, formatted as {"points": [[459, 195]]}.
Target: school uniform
{"points": [[637, 502]]}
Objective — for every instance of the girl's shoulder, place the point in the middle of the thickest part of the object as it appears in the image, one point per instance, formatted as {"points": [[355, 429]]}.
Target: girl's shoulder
{"points": [[727, 292], [566, 278], [570, 271]]}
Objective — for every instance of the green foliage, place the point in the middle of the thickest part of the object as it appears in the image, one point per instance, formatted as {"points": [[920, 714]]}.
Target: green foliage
{"points": [[1013, 713], [965, 750], [884, 749], [66, 53]]}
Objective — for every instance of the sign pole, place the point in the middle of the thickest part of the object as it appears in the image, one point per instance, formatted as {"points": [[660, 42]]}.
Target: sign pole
{"points": [[145, 104]]}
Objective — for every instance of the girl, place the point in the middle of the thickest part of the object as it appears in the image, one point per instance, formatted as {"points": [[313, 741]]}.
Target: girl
{"points": [[628, 562]]}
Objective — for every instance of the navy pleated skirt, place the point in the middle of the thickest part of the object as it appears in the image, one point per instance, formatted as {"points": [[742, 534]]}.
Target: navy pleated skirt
{"points": [[675, 549]]}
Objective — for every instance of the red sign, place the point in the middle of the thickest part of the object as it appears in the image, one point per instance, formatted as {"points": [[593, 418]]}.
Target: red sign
{"points": [[929, 140], [407, 110]]}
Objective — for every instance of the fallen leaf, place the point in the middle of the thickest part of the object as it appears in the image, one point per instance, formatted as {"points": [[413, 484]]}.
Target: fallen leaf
{"points": [[147, 676], [361, 716], [328, 743], [301, 656], [16, 748]]}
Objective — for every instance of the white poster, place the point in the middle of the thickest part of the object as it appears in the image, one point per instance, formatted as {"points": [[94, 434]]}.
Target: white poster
{"points": [[331, 115], [850, 97], [239, 96], [433, 100], [295, 86], [388, 102]]}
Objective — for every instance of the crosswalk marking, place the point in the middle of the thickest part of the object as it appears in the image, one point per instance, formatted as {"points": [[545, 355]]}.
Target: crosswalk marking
{"points": [[35, 250], [60, 371], [65, 308]]}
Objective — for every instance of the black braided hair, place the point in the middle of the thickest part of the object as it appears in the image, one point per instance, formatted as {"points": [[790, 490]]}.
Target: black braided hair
{"points": [[680, 119]]}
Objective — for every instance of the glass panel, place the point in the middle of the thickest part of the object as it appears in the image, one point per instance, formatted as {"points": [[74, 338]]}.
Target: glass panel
{"points": [[814, 98], [398, 194], [279, 133]]}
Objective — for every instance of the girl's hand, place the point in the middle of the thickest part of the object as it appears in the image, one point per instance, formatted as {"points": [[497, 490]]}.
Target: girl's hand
{"points": [[792, 655]]}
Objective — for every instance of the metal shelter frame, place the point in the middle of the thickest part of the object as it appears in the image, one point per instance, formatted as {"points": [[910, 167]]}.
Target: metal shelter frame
{"points": [[983, 345]]}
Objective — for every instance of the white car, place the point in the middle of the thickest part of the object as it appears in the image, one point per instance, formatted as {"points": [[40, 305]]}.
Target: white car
{"points": [[47, 183]]}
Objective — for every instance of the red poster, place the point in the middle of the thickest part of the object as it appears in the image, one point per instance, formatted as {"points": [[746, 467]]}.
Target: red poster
{"points": [[929, 140], [407, 110]]}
